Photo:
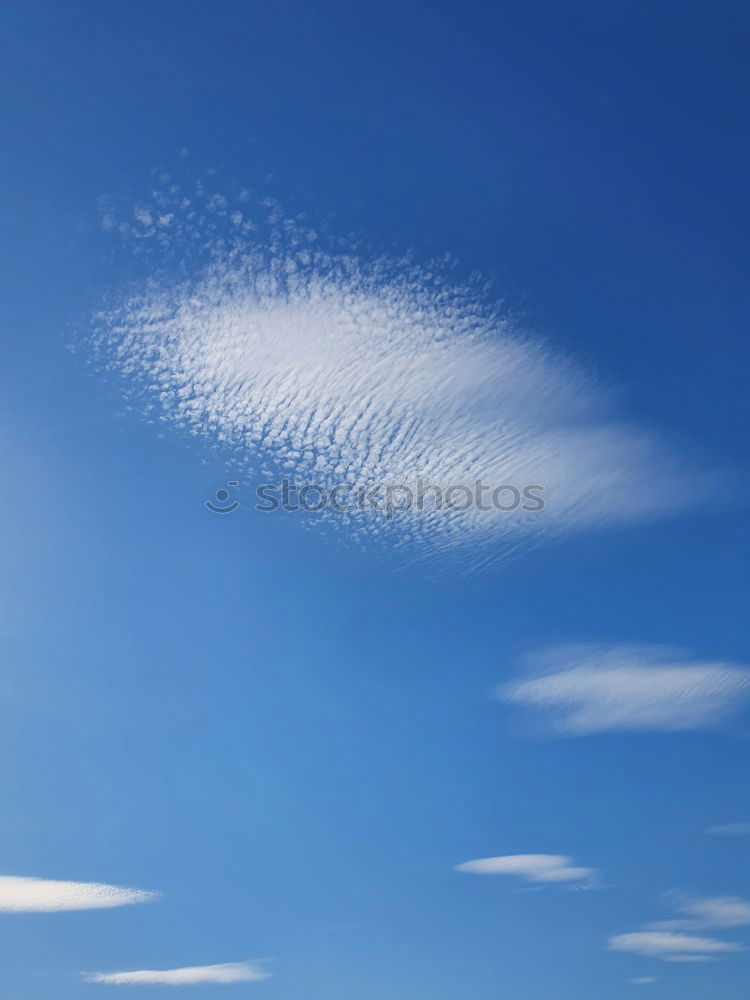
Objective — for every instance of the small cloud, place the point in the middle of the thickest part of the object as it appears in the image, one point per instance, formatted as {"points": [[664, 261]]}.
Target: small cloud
{"points": [[143, 215], [533, 867], [731, 830], [595, 689], [642, 980], [38, 895], [229, 972], [671, 947]]}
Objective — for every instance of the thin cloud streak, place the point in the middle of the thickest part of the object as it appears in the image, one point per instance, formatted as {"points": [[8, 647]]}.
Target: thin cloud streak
{"points": [[715, 911], [229, 972], [730, 830], [668, 940], [37, 895], [671, 947], [595, 689], [532, 867]]}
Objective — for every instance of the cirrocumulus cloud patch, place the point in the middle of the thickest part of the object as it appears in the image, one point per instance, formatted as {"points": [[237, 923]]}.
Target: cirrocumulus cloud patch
{"points": [[339, 368]]}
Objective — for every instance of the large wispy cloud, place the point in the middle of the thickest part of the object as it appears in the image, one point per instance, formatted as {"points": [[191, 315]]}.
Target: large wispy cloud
{"points": [[593, 689], [338, 369], [229, 972], [38, 895], [531, 867]]}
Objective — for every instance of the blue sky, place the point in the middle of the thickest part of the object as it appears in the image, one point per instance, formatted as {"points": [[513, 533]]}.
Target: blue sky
{"points": [[248, 754]]}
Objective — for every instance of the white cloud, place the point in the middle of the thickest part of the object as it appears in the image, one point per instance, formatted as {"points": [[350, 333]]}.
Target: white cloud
{"points": [[143, 215], [38, 895], [715, 911], [731, 830], [667, 939], [642, 980], [334, 370], [671, 947], [229, 972], [533, 867], [592, 689]]}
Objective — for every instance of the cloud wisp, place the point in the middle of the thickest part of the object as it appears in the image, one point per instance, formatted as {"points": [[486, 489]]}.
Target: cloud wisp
{"points": [[710, 911], [339, 369], [228, 972], [675, 940], [670, 946], [38, 895], [539, 868], [730, 830], [594, 689]]}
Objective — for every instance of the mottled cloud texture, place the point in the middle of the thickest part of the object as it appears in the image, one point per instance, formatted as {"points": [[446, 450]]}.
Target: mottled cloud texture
{"points": [[595, 689], [336, 368], [39, 895]]}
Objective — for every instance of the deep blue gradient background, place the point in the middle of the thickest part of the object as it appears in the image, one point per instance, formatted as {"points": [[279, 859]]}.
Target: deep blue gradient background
{"points": [[291, 741]]}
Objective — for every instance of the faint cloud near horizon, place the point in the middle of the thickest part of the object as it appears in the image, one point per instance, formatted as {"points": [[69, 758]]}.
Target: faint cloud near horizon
{"points": [[581, 690]]}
